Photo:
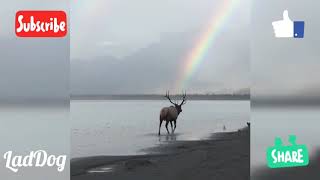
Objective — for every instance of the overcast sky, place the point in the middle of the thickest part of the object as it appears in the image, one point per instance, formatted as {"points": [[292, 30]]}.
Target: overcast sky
{"points": [[32, 68], [139, 46], [112, 27], [285, 67]]}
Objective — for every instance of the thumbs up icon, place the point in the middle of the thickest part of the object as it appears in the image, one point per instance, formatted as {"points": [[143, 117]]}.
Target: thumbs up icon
{"points": [[287, 28]]}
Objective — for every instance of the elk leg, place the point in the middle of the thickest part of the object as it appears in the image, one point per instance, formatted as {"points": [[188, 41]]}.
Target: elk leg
{"points": [[160, 126], [171, 126], [175, 125], [167, 126]]}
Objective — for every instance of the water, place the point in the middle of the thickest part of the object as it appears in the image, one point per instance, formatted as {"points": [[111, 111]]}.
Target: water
{"points": [[268, 123], [126, 127], [31, 128]]}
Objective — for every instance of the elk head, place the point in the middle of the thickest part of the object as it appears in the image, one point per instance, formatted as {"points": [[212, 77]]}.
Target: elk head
{"points": [[176, 105]]}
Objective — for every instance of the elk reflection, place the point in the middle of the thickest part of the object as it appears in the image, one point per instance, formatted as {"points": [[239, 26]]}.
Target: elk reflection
{"points": [[168, 137]]}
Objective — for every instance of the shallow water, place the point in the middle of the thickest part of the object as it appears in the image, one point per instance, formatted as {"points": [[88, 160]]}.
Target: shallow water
{"points": [[126, 127], [30, 128]]}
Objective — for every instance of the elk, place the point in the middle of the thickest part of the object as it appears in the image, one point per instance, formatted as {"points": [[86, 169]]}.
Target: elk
{"points": [[170, 114]]}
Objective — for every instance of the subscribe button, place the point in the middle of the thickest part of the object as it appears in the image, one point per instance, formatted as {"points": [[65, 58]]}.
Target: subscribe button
{"points": [[41, 24]]}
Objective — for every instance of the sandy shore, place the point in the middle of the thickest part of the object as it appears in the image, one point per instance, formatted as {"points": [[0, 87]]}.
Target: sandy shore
{"points": [[224, 157]]}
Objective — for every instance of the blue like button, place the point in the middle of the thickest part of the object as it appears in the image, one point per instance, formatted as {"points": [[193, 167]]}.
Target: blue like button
{"points": [[298, 29]]}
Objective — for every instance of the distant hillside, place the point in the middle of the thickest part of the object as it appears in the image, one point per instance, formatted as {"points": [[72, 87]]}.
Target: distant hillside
{"points": [[161, 97], [155, 67]]}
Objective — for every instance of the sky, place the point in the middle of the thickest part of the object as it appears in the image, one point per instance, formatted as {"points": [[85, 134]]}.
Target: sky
{"points": [[153, 37], [124, 47], [285, 67], [32, 68], [139, 47], [117, 28]]}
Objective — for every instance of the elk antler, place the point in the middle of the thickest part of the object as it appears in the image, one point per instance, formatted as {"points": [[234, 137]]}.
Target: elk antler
{"points": [[168, 97], [184, 95]]}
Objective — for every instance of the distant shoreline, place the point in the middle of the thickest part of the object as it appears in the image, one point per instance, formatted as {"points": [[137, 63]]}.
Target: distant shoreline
{"points": [[159, 97]]}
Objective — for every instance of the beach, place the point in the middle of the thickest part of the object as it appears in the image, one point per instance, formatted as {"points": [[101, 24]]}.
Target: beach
{"points": [[224, 156]]}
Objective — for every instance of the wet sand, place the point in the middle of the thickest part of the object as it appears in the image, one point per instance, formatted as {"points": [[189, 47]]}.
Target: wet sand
{"points": [[226, 156]]}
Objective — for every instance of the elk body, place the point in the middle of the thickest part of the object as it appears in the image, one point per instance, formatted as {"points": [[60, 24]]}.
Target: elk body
{"points": [[170, 114]]}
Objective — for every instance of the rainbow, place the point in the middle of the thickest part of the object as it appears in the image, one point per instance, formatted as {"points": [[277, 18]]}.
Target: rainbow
{"points": [[198, 52]]}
